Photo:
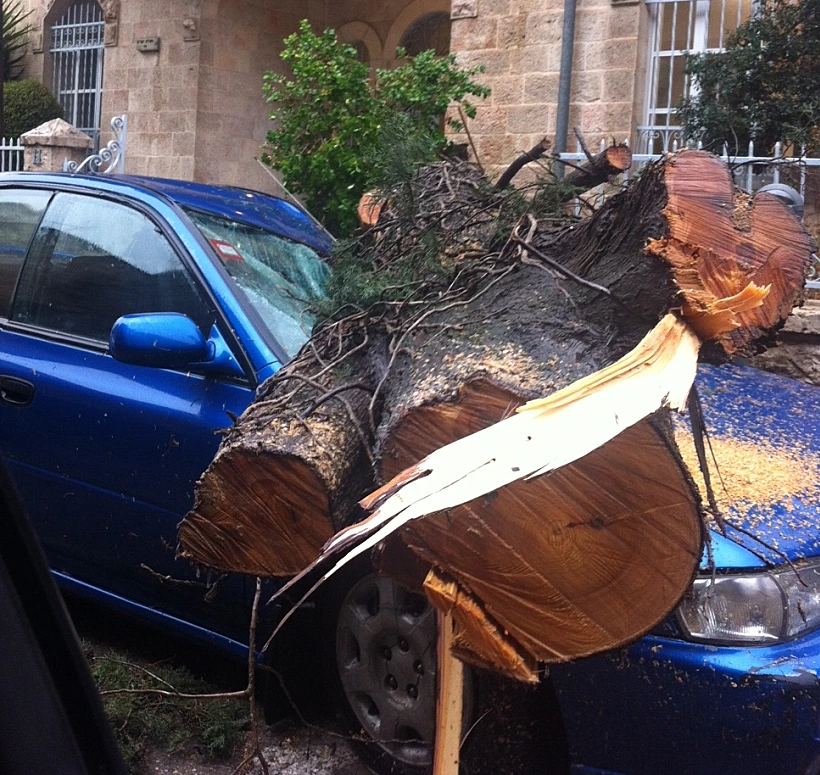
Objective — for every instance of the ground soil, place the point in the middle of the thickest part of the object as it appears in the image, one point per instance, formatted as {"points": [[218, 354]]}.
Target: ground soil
{"points": [[288, 749]]}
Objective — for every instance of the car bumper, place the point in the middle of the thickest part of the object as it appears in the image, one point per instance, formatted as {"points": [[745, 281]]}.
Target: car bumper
{"points": [[667, 707]]}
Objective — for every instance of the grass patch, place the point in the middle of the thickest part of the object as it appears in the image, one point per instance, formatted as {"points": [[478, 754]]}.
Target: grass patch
{"points": [[142, 722]]}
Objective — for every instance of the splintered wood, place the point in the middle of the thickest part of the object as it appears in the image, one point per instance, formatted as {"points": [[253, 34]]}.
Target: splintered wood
{"points": [[517, 407], [724, 272]]}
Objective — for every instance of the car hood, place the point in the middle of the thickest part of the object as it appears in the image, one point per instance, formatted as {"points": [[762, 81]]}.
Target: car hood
{"points": [[779, 420]]}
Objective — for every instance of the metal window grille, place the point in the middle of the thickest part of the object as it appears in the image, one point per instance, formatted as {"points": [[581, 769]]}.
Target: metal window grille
{"points": [[679, 27], [77, 51], [11, 154]]}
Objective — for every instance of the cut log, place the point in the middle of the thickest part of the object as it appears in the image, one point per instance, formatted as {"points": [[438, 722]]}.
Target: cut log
{"points": [[612, 161], [600, 549], [277, 475]]}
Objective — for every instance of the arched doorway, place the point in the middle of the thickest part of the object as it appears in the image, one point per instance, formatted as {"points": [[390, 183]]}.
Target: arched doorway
{"points": [[76, 48], [431, 31]]}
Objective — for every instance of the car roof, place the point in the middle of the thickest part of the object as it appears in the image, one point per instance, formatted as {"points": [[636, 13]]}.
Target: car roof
{"points": [[252, 208]]}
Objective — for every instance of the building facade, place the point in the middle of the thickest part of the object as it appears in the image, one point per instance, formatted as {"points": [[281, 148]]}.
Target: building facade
{"points": [[188, 73]]}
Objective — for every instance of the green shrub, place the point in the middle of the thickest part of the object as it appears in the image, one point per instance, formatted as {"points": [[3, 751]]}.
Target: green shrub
{"points": [[330, 115], [15, 38], [764, 87], [28, 104]]}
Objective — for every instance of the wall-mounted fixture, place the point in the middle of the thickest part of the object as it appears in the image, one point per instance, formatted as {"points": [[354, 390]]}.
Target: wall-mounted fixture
{"points": [[146, 45]]}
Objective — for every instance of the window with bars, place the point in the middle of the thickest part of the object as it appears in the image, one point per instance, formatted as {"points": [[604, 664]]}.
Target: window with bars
{"points": [[679, 27], [77, 56]]}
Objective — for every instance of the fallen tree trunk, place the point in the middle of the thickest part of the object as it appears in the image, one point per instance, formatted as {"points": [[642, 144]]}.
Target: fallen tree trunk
{"points": [[506, 316]]}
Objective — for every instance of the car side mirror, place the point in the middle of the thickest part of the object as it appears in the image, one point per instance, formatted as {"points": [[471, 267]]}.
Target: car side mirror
{"points": [[165, 340]]}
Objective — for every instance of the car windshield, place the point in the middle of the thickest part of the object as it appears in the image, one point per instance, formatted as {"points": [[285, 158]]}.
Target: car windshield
{"points": [[278, 277]]}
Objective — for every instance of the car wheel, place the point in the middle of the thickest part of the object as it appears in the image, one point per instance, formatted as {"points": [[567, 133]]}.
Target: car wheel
{"points": [[385, 658]]}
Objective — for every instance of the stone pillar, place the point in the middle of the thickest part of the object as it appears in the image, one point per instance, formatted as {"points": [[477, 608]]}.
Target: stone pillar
{"points": [[46, 147]]}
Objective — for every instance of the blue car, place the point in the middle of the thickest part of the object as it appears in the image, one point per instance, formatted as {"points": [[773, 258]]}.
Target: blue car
{"points": [[138, 316]]}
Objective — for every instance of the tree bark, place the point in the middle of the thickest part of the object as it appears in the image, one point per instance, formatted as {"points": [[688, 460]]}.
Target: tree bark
{"points": [[597, 551], [536, 152]]}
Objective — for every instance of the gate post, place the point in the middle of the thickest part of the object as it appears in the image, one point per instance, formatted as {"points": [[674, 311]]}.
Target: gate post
{"points": [[46, 147]]}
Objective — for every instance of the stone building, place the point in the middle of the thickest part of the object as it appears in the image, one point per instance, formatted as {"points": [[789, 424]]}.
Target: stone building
{"points": [[188, 73]]}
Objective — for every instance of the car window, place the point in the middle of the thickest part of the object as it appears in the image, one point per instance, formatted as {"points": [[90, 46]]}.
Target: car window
{"points": [[93, 261], [20, 212], [280, 278]]}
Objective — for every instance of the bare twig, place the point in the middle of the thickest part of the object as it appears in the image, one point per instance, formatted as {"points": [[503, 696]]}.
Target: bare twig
{"points": [[470, 137]]}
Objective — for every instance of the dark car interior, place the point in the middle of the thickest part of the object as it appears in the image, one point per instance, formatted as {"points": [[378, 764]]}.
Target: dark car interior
{"points": [[51, 718]]}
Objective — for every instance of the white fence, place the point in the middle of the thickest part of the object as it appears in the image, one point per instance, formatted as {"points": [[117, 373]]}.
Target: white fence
{"points": [[11, 154], [751, 172]]}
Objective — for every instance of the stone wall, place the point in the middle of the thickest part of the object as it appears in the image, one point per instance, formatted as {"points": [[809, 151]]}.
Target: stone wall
{"points": [[196, 110], [519, 43], [241, 40], [158, 90]]}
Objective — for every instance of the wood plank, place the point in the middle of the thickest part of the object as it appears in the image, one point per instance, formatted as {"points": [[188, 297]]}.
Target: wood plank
{"points": [[449, 708]]}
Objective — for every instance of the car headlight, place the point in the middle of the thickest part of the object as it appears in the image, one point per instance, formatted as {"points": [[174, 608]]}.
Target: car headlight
{"points": [[753, 607]]}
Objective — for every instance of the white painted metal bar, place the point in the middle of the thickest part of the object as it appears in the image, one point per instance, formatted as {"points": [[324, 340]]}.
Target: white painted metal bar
{"points": [[11, 154]]}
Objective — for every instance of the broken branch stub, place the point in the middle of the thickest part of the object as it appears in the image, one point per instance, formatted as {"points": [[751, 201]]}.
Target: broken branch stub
{"points": [[599, 531]]}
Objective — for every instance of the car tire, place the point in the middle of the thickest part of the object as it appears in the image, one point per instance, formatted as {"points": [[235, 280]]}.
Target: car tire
{"points": [[508, 728], [384, 672]]}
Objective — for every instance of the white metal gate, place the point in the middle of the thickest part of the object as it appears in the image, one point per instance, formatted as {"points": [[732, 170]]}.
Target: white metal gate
{"points": [[680, 27], [77, 56]]}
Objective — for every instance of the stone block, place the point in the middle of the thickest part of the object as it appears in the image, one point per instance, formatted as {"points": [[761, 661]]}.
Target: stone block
{"points": [[494, 62], [531, 59], [618, 85], [618, 119], [146, 122], [163, 166], [544, 28], [474, 34], [533, 6], [183, 143], [187, 165], [541, 87], [591, 56], [588, 86], [591, 25], [555, 58], [116, 78], [489, 120], [496, 7], [173, 121], [134, 164], [140, 100], [623, 21], [507, 90], [524, 119], [490, 149], [144, 77], [621, 53], [46, 147], [512, 31]]}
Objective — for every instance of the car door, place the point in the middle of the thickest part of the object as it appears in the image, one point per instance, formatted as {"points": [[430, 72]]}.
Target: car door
{"points": [[106, 454]]}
